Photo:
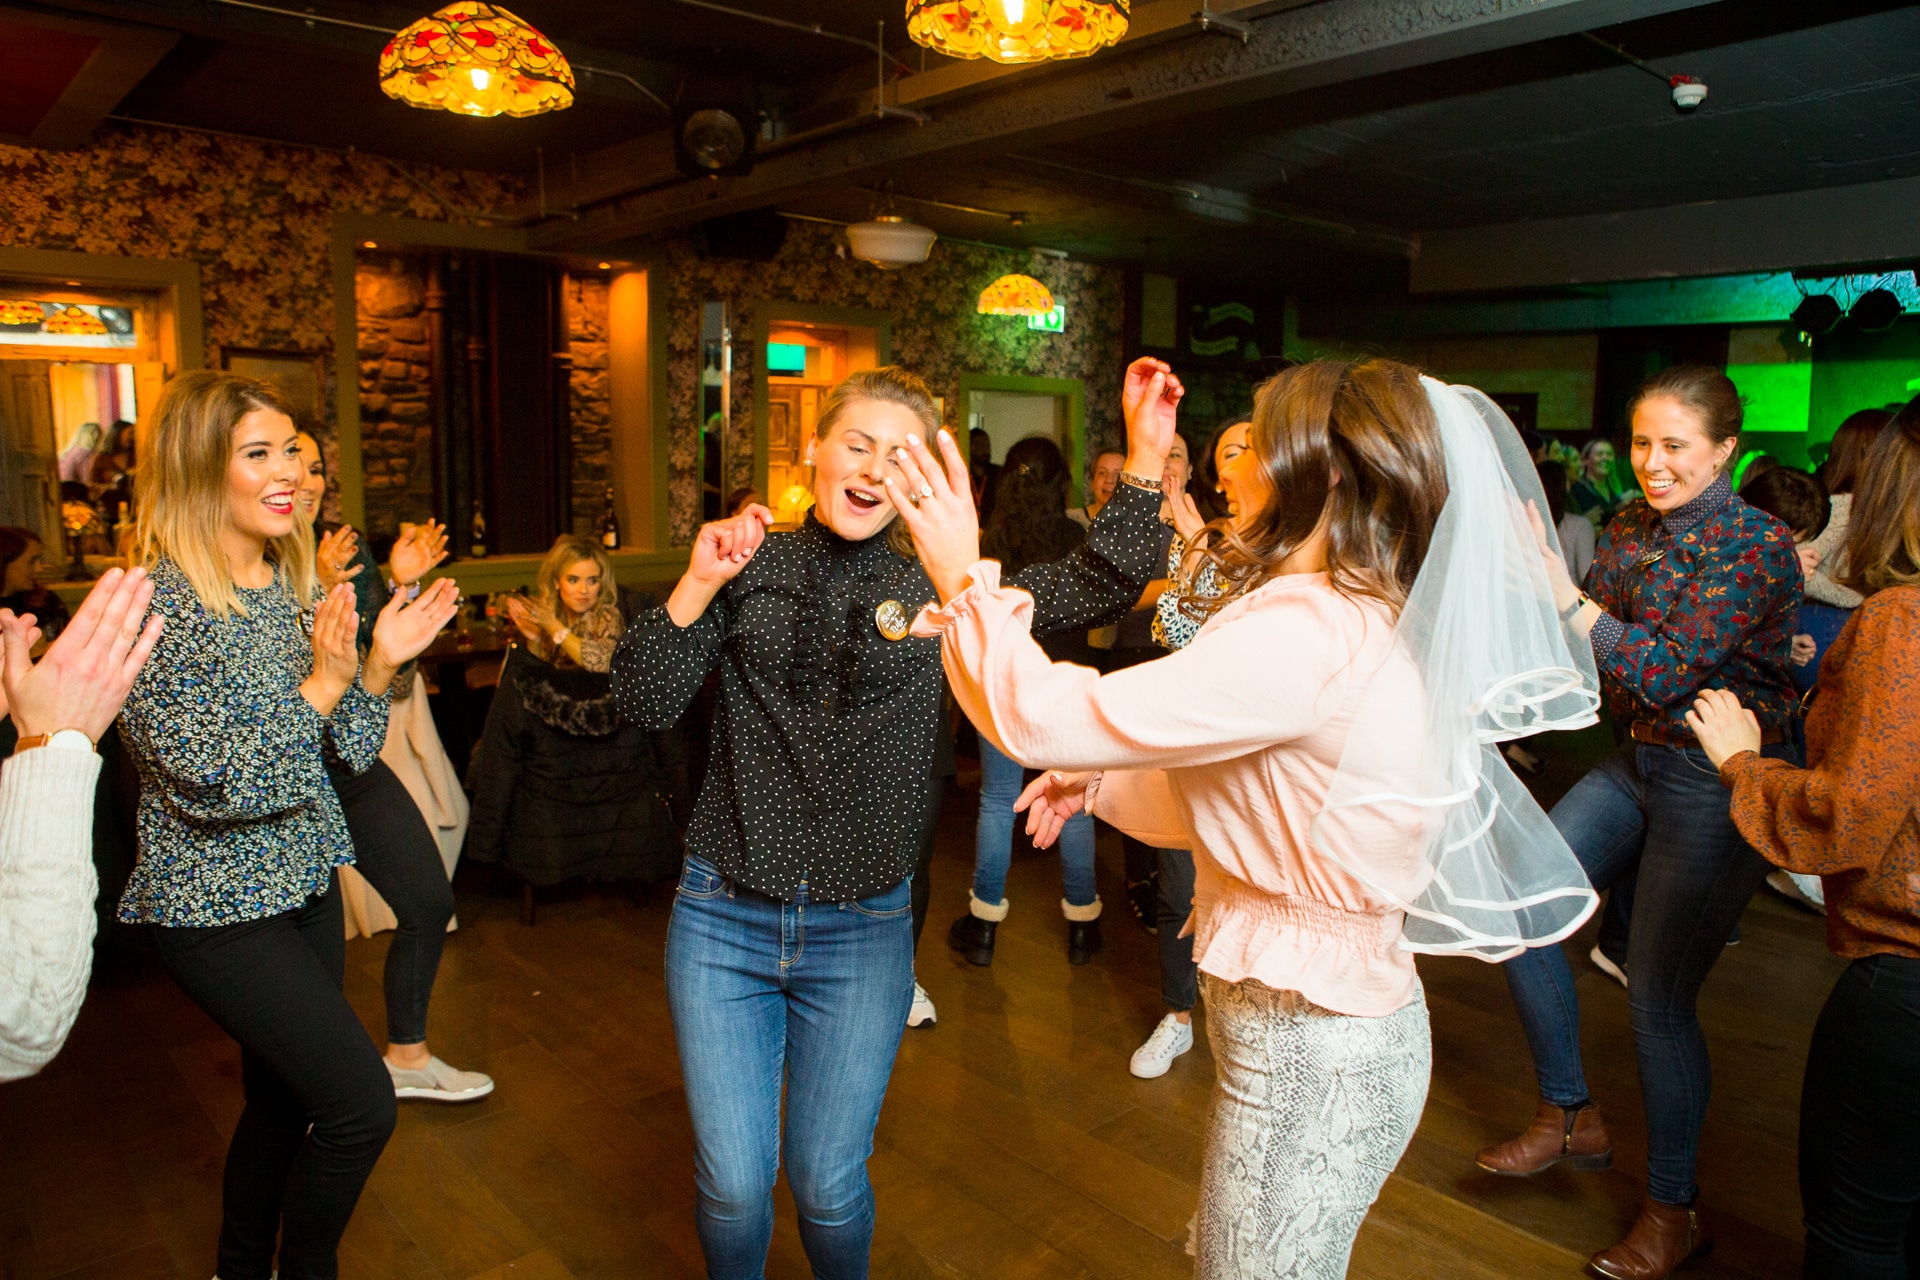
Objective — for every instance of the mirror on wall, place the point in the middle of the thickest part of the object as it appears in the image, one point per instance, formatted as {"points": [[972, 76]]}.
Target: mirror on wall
{"points": [[716, 377]]}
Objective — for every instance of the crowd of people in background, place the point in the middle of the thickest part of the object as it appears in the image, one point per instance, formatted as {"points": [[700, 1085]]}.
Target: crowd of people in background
{"points": [[1753, 644]]}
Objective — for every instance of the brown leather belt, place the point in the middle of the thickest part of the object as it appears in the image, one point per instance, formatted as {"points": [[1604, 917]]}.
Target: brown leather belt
{"points": [[1656, 735]]}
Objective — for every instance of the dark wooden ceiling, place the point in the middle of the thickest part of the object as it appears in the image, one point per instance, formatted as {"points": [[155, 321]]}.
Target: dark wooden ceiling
{"points": [[1329, 179]]}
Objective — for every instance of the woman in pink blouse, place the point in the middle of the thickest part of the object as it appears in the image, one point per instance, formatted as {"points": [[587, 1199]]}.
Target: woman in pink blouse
{"points": [[1285, 747]]}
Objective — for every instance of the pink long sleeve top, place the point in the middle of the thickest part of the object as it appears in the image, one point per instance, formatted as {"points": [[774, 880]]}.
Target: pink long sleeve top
{"points": [[1226, 747]]}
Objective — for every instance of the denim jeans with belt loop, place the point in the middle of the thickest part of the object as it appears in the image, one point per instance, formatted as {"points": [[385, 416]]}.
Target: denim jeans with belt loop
{"points": [[1659, 815], [808, 995]]}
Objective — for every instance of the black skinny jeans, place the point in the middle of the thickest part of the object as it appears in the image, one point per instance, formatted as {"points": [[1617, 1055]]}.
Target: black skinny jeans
{"points": [[274, 986], [1860, 1126], [395, 850]]}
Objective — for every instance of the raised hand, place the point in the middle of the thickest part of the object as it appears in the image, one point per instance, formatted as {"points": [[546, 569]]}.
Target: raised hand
{"points": [[1150, 400], [336, 654], [935, 502], [403, 630], [334, 560], [86, 673], [1565, 589], [420, 547], [1049, 801]]}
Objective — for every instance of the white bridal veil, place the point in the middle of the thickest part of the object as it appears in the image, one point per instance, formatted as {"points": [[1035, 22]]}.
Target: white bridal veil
{"points": [[1423, 808]]}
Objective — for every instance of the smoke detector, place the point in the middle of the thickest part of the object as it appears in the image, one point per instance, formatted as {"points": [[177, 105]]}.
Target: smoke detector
{"points": [[890, 241], [1688, 93]]}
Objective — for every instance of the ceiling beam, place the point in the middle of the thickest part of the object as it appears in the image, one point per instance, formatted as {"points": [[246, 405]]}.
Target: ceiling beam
{"points": [[122, 58], [1296, 49], [1852, 226]]}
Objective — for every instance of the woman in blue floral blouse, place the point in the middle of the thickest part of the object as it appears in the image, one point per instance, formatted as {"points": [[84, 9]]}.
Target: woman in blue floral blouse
{"points": [[232, 726], [1690, 589]]}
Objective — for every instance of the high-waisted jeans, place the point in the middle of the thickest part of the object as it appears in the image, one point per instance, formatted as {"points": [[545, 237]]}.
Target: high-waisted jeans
{"points": [[1660, 815], [1001, 778], [809, 995]]}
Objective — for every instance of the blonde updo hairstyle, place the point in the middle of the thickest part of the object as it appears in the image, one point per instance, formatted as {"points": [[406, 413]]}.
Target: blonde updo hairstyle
{"points": [[890, 384], [181, 488]]}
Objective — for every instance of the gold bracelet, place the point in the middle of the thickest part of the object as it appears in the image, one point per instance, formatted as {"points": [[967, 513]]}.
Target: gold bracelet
{"points": [[1140, 482]]}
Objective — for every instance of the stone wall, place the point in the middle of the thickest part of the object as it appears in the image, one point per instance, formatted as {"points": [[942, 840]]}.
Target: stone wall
{"points": [[396, 431], [591, 403]]}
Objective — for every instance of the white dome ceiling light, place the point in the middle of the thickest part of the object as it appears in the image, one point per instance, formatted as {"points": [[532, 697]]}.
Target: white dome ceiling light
{"points": [[890, 241]]}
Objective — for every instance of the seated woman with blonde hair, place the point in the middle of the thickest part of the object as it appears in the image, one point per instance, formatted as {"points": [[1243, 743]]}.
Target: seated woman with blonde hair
{"points": [[573, 619]]}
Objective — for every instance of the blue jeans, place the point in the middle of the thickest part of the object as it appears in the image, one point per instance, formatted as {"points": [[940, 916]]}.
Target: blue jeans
{"points": [[1001, 778], [1659, 816], [812, 995]]}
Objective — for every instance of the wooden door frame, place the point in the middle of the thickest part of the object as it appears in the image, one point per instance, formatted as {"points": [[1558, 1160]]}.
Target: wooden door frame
{"points": [[1072, 389], [766, 315]]}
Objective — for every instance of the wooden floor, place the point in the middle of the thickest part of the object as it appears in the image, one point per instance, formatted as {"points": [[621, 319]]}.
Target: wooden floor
{"points": [[1014, 1142]]}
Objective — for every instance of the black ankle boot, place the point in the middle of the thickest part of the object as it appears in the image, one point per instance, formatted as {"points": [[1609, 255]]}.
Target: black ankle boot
{"points": [[1083, 939], [972, 937]]}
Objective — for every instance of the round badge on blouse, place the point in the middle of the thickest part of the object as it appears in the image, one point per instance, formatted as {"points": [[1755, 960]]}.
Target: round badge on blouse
{"points": [[891, 617]]}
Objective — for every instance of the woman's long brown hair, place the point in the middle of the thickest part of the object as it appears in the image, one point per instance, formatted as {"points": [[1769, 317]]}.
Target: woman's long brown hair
{"points": [[1883, 529], [1353, 446]]}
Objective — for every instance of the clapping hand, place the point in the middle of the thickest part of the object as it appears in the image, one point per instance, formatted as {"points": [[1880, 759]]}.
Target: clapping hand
{"points": [[935, 502], [1724, 727], [336, 653], [335, 555], [419, 548], [86, 673], [1049, 801], [403, 630]]}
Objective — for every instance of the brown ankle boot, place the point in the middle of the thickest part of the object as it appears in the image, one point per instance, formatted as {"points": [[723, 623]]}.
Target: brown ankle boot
{"points": [[1663, 1237], [1556, 1136]]}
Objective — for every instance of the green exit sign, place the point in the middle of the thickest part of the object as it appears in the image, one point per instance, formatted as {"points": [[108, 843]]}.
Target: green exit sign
{"points": [[1054, 321]]}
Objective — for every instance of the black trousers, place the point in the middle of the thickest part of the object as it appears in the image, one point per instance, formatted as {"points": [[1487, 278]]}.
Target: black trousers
{"points": [[1860, 1126], [922, 891], [395, 850], [320, 1103]]}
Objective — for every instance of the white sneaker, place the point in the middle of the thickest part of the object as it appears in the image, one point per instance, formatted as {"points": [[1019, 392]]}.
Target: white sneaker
{"points": [[1169, 1040], [439, 1082], [1617, 972], [1808, 891], [920, 1013]]}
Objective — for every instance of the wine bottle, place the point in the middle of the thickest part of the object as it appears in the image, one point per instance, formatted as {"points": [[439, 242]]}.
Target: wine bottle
{"points": [[477, 533], [610, 525]]}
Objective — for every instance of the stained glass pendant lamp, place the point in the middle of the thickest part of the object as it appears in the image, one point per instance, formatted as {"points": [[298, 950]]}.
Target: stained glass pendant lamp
{"points": [[1017, 30], [476, 60], [1015, 295]]}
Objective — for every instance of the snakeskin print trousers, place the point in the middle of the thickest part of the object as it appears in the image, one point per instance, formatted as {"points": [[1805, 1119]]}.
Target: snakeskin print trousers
{"points": [[1311, 1112]]}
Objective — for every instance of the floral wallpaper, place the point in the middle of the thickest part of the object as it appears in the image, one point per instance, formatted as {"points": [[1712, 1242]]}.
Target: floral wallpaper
{"points": [[257, 216], [936, 332]]}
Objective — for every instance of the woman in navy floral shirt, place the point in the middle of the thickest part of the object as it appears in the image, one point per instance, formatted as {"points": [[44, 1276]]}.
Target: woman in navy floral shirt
{"points": [[1690, 589], [232, 726]]}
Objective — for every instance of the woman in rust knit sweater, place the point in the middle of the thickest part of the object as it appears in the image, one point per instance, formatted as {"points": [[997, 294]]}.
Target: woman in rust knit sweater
{"points": [[1853, 818]]}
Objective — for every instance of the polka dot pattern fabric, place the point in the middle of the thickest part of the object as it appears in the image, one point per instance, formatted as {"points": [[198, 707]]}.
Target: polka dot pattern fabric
{"points": [[824, 735]]}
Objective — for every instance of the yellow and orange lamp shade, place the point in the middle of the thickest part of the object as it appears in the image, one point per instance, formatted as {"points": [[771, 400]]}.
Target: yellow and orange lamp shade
{"points": [[72, 321], [1015, 295], [1017, 30], [476, 60]]}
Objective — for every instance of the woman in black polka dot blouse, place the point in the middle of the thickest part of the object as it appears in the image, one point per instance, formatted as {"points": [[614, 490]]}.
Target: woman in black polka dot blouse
{"points": [[790, 954]]}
